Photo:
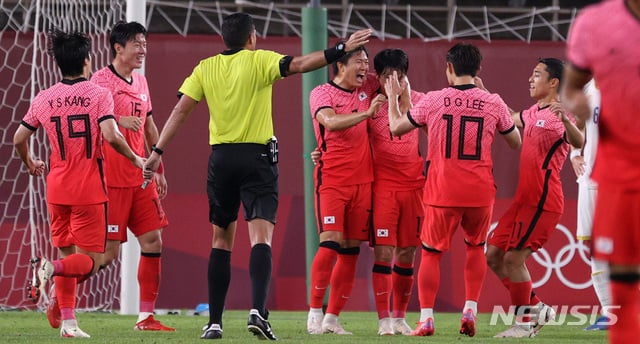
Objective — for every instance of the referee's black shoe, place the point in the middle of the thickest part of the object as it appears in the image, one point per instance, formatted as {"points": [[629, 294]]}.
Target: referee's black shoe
{"points": [[259, 326], [212, 331]]}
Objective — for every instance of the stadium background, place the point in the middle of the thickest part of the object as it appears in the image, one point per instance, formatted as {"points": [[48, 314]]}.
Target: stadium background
{"points": [[506, 67]]}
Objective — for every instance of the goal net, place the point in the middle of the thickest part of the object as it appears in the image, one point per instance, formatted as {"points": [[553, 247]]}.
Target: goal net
{"points": [[26, 69]]}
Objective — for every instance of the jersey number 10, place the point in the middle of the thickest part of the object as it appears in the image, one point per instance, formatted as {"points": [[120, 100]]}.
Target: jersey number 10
{"points": [[461, 139]]}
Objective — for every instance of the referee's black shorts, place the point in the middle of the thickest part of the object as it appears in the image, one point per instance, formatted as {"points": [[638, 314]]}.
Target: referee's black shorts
{"points": [[241, 172]]}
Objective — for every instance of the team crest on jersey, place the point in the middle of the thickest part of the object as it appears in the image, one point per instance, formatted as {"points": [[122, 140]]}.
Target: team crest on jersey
{"points": [[382, 233], [329, 220], [540, 123], [362, 96], [143, 97], [112, 229]]}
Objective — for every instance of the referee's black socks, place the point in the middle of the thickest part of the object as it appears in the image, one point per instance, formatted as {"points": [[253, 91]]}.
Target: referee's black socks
{"points": [[260, 266]]}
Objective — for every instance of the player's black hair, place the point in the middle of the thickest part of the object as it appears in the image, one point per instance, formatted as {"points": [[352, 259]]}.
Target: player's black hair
{"points": [[70, 51], [395, 59], [123, 32], [555, 68], [236, 29], [345, 59], [465, 58]]}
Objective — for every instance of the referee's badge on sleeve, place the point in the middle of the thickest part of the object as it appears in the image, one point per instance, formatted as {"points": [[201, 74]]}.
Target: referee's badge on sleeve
{"points": [[329, 220], [112, 229]]}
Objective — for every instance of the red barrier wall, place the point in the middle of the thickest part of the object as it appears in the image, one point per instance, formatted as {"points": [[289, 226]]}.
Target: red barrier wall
{"points": [[505, 70]]}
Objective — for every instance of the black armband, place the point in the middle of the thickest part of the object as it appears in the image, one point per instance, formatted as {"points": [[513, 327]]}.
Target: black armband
{"points": [[284, 65], [157, 150], [334, 54]]}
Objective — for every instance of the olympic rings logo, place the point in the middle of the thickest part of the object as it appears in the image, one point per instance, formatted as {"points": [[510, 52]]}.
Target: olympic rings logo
{"points": [[563, 257]]}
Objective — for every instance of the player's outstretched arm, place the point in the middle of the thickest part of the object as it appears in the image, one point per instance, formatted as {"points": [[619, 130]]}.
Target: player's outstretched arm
{"points": [[513, 138], [181, 112], [21, 145], [317, 59], [515, 115], [114, 137]]}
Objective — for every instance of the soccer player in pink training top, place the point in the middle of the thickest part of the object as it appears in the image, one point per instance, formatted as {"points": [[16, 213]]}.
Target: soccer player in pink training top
{"points": [[607, 47], [460, 122], [130, 205], [548, 132], [343, 177], [398, 182], [76, 114]]}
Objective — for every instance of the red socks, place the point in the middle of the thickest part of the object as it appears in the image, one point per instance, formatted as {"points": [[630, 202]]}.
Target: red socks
{"points": [[66, 295], [342, 279], [149, 280], [382, 286], [321, 272], [429, 278], [74, 265], [402, 287], [521, 296], [627, 327], [475, 269]]}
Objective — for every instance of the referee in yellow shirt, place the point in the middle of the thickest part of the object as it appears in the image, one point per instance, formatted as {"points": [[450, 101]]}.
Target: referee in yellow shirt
{"points": [[237, 85]]}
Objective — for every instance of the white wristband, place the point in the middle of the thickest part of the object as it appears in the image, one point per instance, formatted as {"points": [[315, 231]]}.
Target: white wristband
{"points": [[575, 153]]}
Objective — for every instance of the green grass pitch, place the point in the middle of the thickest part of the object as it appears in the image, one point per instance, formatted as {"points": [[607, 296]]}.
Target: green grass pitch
{"points": [[32, 327]]}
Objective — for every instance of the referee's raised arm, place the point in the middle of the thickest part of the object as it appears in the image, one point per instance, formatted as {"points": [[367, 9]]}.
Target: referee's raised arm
{"points": [[318, 59]]}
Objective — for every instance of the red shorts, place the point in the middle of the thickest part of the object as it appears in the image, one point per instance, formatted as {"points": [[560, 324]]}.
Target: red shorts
{"points": [[524, 226], [344, 209], [81, 225], [441, 223], [397, 216], [616, 226], [136, 208]]}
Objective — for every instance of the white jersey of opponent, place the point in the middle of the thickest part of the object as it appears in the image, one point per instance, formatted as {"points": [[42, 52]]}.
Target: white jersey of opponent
{"points": [[588, 188], [591, 133]]}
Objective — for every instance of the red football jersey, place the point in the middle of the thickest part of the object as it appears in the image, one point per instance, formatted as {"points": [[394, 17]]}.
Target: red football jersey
{"points": [[461, 122], [130, 99], [396, 159], [544, 150], [70, 112], [605, 39], [346, 154]]}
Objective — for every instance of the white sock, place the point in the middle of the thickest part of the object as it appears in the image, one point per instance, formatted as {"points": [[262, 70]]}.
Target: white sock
{"points": [[473, 305], [315, 311], [425, 313], [143, 316], [330, 318], [70, 323], [600, 280]]}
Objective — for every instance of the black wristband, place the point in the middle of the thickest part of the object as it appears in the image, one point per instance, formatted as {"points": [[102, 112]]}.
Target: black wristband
{"points": [[157, 150], [334, 54]]}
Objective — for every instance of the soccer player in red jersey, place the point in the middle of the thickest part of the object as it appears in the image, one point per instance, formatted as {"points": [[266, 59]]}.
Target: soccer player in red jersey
{"points": [[343, 179], [606, 48], [398, 182], [76, 114], [131, 206], [548, 132], [460, 122]]}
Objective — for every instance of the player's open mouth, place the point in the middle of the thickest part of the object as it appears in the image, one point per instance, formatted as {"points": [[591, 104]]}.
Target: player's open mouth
{"points": [[360, 77]]}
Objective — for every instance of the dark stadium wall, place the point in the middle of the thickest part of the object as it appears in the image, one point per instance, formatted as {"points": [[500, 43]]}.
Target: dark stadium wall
{"points": [[505, 70]]}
